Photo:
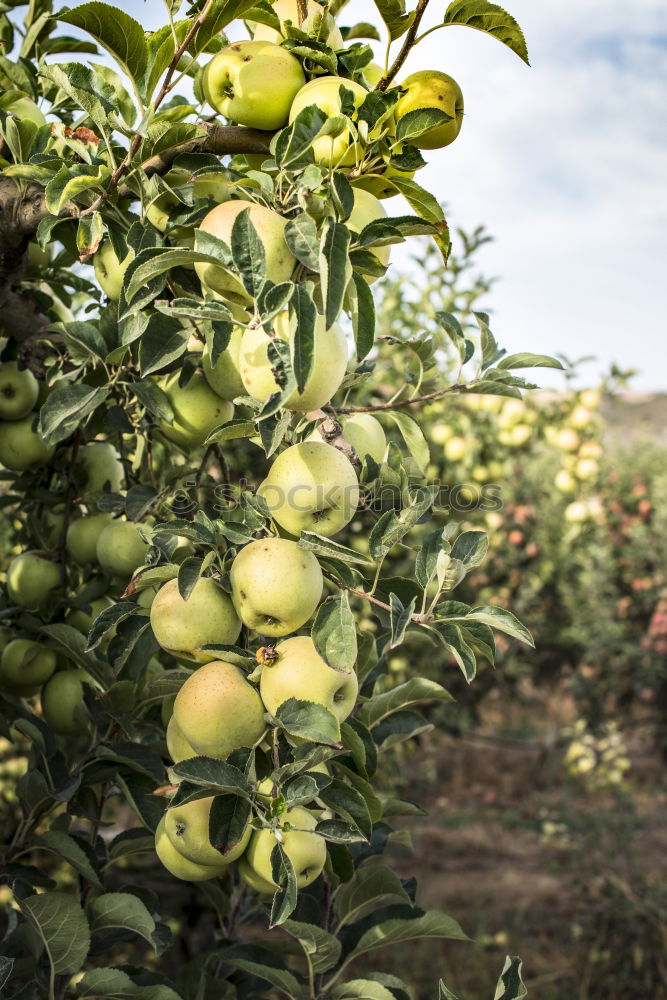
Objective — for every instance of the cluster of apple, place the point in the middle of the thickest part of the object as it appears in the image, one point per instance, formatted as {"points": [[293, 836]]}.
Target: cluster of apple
{"points": [[218, 710]]}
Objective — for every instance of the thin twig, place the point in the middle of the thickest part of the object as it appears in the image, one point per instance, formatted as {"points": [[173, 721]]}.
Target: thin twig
{"points": [[459, 387], [418, 619], [405, 48]]}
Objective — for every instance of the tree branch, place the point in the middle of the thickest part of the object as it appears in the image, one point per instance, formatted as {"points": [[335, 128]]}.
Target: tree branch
{"points": [[405, 47], [400, 403], [418, 619]]}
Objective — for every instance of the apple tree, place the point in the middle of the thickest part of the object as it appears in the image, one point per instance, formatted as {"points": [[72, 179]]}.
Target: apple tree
{"points": [[194, 655]]}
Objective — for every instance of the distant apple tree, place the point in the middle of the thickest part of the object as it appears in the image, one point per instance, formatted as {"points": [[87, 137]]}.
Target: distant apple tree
{"points": [[192, 407]]}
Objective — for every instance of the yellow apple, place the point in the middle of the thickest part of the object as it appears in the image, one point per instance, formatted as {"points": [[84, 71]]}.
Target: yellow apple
{"points": [[432, 89], [300, 672], [306, 850], [182, 627], [270, 228], [520, 434], [591, 449], [441, 433], [19, 390], [253, 83], [565, 481], [330, 362], [581, 417], [62, 702], [110, 271], [311, 487], [177, 745], [31, 579], [324, 92], [366, 435], [252, 879], [590, 398], [21, 447], [121, 549], [567, 439], [25, 666], [187, 827], [102, 469], [217, 710], [178, 865], [225, 377], [82, 536], [373, 73], [587, 468], [455, 449], [261, 598], [197, 410]]}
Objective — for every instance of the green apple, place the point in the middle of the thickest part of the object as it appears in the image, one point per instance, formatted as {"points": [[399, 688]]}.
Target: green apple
{"points": [[329, 363], [179, 866], [441, 433], [264, 789], [590, 398], [566, 439], [50, 526], [121, 549], [83, 535], [102, 468], [252, 879], [581, 417], [520, 434], [261, 598], [217, 710], [187, 827], [373, 73], [21, 447], [62, 702], [577, 512], [83, 620], [367, 208], [513, 411], [19, 390], [366, 435], [197, 410], [22, 107], [110, 271], [431, 89], [254, 83], [225, 377], [177, 745], [591, 449], [31, 579], [287, 10], [300, 672], [25, 666], [455, 449], [565, 481], [182, 627], [324, 92], [270, 228], [587, 468], [311, 487], [306, 850]]}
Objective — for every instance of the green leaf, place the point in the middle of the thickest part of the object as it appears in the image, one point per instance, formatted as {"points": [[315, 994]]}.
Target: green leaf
{"points": [[302, 307], [308, 721], [502, 621], [510, 985], [88, 91], [283, 874], [116, 31], [228, 821], [334, 633], [188, 575], [61, 926], [420, 200], [361, 989], [328, 548], [350, 804], [238, 427], [154, 399], [321, 948], [369, 887], [302, 239], [82, 339], [399, 619], [529, 361], [221, 13], [363, 317], [122, 910], [413, 436], [114, 984], [163, 341], [155, 261], [66, 847], [248, 254], [71, 181], [416, 123], [452, 638], [335, 268], [6, 966], [471, 548], [394, 16], [431, 924], [218, 775], [65, 408], [417, 690], [284, 981], [491, 19]]}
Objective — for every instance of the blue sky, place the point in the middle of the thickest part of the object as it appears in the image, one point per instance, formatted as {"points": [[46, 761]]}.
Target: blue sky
{"points": [[566, 165]]}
